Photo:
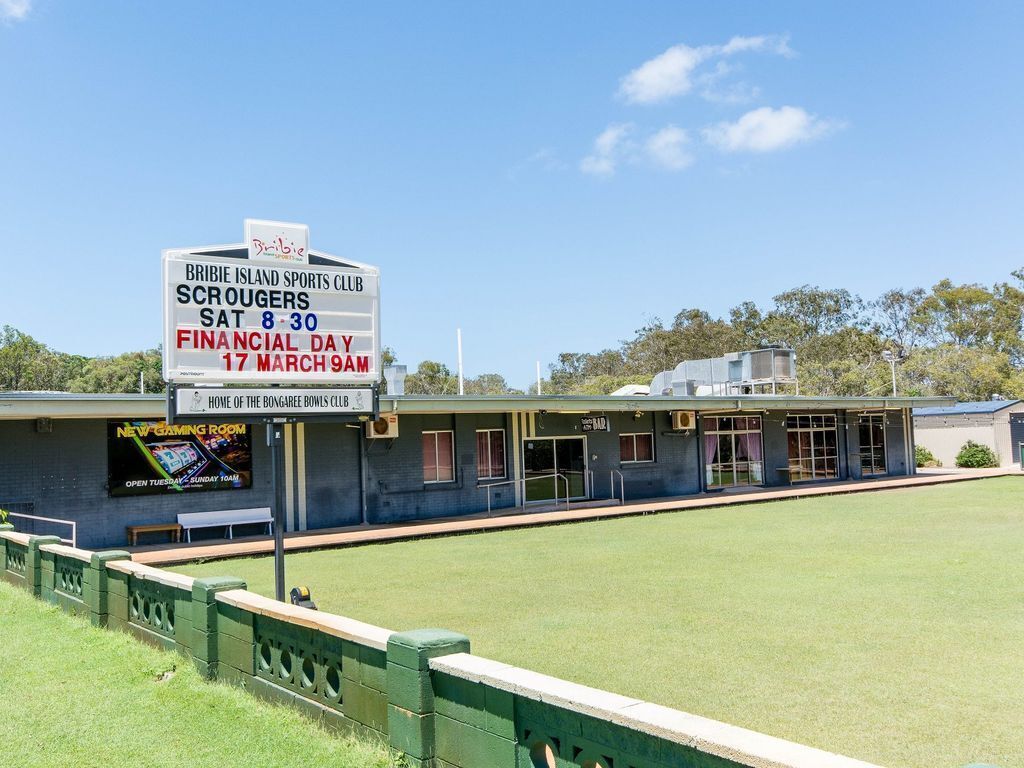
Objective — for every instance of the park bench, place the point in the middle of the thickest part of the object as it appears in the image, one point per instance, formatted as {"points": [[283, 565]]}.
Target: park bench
{"points": [[134, 530], [227, 519], [787, 473]]}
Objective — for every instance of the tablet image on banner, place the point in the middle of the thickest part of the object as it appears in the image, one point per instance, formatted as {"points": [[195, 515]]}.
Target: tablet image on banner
{"points": [[152, 457]]}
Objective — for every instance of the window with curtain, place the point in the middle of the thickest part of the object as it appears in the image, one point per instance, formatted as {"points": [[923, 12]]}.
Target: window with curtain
{"points": [[490, 454], [637, 447], [732, 451], [438, 457]]}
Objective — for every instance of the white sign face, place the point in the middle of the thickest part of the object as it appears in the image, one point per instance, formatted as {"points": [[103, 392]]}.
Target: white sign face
{"points": [[223, 401], [277, 241], [232, 320]]}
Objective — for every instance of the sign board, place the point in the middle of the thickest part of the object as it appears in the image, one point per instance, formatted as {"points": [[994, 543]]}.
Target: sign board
{"points": [[277, 241], [197, 403], [230, 319], [595, 424], [153, 457]]}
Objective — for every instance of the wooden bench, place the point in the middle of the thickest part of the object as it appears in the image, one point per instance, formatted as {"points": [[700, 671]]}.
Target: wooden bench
{"points": [[227, 519], [787, 472], [134, 530]]}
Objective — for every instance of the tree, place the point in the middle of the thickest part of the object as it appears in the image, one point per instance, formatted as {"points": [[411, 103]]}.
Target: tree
{"points": [[432, 378], [963, 373], [897, 316], [961, 315], [489, 384], [121, 374], [26, 364], [808, 311]]}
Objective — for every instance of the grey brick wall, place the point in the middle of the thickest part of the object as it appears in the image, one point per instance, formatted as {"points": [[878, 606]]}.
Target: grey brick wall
{"points": [[64, 473]]}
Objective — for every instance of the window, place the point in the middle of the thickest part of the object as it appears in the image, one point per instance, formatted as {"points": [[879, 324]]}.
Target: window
{"points": [[634, 448], [490, 454], [732, 451], [813, 447], [438, 457]]}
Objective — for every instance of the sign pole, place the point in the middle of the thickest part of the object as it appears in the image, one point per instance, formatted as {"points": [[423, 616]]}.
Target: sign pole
{"points": [[275, 439]]}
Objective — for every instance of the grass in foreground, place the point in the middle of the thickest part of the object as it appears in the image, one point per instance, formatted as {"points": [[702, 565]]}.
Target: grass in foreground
{"points": [[73, 694], [887, 626]]}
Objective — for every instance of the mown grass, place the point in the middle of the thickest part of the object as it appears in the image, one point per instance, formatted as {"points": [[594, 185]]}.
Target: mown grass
{"points": [[75, 695], [888, 626]]}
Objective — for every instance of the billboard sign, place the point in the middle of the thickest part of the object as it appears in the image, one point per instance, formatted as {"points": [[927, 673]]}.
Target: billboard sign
{"points": [[153, 457], [253, 403], [230, 319]]}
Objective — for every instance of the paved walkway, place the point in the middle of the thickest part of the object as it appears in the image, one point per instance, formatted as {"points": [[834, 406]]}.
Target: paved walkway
{"points": [[368, 534]]}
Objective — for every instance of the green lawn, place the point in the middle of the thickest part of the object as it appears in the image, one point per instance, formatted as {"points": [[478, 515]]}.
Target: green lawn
{"points": [[888, 625], [75, 695]]}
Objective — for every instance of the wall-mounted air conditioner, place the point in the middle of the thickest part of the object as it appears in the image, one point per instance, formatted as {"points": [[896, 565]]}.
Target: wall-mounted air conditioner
{"points": [[386, 426], [682, 420]]}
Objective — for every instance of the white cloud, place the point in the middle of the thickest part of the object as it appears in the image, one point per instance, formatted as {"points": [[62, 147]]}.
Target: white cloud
{"points": [[671, 73], [667, 148], [607, 151], [14, 10], [767, 129], [760, 43]]}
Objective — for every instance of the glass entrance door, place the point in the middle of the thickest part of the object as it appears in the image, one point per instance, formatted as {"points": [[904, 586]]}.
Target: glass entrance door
{"points": [[872, 444], [543, 457]]}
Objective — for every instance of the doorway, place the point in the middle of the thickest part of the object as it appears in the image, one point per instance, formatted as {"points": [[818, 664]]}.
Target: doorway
{"points": [[543, 457], [872, 444]]}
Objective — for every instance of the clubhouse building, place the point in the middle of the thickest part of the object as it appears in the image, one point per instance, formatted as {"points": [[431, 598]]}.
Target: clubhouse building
{"points": [[106, 462]]}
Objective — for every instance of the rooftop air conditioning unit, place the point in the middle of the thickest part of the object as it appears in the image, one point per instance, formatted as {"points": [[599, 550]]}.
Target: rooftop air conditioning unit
{"points": [[684, 420], [384, 427]]}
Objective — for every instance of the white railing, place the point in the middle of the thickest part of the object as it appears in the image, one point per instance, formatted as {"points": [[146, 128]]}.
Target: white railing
{"points": [[73, 541], [622, 485], [524, 481]]}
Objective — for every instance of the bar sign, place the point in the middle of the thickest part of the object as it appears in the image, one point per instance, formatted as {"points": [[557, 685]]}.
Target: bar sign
{"points": [[595, 424]]}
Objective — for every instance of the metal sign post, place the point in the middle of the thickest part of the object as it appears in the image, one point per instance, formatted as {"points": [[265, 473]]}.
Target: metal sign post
{"points": [[275, 440], [270, 331]]}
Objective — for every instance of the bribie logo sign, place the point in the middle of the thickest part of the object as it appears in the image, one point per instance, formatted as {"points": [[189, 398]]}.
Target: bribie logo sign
{"points": [[277, 241]]}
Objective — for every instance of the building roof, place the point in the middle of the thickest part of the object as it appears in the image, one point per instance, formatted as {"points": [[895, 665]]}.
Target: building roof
{"points": [[966, 409], [71, 405]]}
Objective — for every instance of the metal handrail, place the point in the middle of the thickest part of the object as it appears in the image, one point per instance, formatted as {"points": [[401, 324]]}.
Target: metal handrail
{"points": [[74, 526], [524, 481], [622, 485], [495, 485]]}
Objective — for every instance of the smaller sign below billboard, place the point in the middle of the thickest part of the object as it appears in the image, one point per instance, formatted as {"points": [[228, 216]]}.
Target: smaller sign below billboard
{"points": [[271, 403], [595, 424]]}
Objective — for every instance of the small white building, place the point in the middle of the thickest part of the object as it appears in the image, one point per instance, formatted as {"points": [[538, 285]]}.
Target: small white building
{"points": [[943, 431]]}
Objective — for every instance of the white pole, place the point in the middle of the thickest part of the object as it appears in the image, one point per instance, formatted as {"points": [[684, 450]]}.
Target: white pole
{"points": [[142, 382], [538, 378], [892, 364], [458, 336]]}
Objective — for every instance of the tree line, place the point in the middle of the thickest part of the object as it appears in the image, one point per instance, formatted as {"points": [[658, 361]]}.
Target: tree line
{"points": [[958, 340]]}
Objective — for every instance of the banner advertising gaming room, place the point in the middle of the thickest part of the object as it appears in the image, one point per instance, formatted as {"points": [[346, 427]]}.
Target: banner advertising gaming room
{"points": [[264, 331]]}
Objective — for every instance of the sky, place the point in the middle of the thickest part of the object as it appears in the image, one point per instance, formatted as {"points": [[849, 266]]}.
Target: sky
{"points": [[549, 177]]}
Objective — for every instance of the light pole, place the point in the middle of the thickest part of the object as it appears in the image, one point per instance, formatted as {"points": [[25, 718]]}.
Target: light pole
{"points": [[892, 358]]}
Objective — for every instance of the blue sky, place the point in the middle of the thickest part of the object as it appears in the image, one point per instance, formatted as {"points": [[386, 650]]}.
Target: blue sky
{"points": [[548, 176]]}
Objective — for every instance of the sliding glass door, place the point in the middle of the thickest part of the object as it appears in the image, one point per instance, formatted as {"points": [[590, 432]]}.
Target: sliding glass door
{"points": [[544, 457], [872, 444], [732, 451]]}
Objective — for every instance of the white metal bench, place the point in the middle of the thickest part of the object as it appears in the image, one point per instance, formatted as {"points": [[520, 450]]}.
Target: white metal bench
{"points": [[227, 518]]}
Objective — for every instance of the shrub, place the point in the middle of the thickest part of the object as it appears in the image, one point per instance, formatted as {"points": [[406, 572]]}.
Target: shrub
{"points": [[925, 458], [3, 515], [975, 456]]}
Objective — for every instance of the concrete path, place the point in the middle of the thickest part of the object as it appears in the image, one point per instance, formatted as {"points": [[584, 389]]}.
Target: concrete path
{"points": [[502, 519]]}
